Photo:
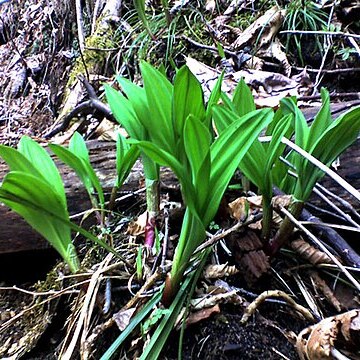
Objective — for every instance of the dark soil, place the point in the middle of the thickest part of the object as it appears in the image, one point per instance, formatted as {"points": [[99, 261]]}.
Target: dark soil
{"points": [[223, 337]]}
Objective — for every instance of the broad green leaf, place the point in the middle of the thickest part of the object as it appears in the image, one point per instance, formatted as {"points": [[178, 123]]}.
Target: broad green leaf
{"points": [[243, 100], [275, 148], [42, 161], [83, 170], [340, 135], [124, 113], [122, 147], [78, 147], [26, 194], [124, 169], [159, 96], [321, 122], [17, 161], [75, 162], [253, 164], [126, 156], [288, 105], [197, 140], [202, 181], [228, 150], [137, 97], [227, 103], [302, 131], [191, 235], [187, 99]]}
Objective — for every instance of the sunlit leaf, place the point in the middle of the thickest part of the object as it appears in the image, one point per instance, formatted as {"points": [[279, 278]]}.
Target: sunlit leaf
{"points": [[42, 161], [124, 113], [30, 197], [159, 96], [187, 99], [243, 100]]}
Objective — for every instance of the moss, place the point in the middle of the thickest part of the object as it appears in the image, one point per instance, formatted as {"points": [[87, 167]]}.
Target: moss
{"points": [[94, 55]]}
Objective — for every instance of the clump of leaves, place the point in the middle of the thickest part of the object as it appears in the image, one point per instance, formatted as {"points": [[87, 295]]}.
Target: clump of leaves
{"points": [[33, 188], [180, 136], [325, 139], [259, 159]]}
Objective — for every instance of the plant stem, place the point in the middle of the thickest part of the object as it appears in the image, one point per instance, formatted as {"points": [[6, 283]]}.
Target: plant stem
{"points": [[285, 229], [191, 236], [267, 218], [152, 197]]}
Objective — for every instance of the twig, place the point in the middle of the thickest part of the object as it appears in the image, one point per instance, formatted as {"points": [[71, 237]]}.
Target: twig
{"points": [[158, 274], [334, 96], [6, 324], [207, 47], [343, 202], [355, 45], [322, 247], [87, 106], [345, 216], [323, 211], [333, 33], [349, 256], [249, 311], [350, 189], [334, 226], [215, 238]]}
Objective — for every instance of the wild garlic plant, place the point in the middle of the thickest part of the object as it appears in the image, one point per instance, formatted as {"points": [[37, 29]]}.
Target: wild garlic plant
{"points": [[325, 139], [34, 189], [133, 112], [258, 161], [181, 137]]}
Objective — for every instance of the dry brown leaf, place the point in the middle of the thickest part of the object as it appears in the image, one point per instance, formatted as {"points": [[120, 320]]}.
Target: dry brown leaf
{"points": [[137, 227], [123, 317], [268, 24], [219, 271], [202, 314], [309, 252], [317, 342], [242, 207]]}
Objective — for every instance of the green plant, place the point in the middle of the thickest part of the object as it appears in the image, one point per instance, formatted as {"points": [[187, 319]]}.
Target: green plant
{"points": [[259, 159], [126, 155], [133, 113], [325, 140], [139, 5], [34, 189], [179, 130], [77, 157], [304, 15]]}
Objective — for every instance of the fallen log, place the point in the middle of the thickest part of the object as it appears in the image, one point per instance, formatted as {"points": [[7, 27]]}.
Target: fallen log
{"points": [[16, 235]]}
